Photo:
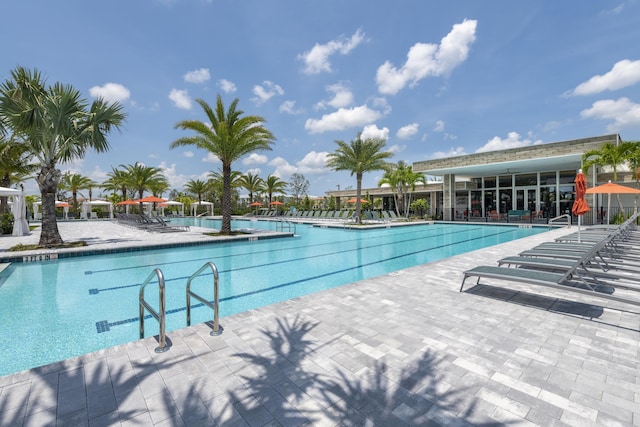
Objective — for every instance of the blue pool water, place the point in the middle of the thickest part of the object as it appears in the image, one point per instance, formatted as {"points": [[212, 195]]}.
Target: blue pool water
{"points": [[54, 310]]}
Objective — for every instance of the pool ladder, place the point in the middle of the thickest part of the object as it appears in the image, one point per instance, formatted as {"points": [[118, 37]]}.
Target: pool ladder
{"points": [[160, 314]]}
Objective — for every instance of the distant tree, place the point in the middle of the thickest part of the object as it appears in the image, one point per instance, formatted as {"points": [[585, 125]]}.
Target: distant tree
{"points": [[252, 183], [58, 126], [298, 186], [197, 187], [420, 206], [74, 182], [358, 157], [402, 180], [15, 165], [118, 180], [228, 136], [634, 161], [141, 178], [609, 154], [274, 185]]}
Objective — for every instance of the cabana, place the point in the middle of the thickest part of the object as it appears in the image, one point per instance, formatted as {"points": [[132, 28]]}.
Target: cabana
{"points": [[194, 207], [20, 224], [87, 205], [59, 204], [172, 203]]}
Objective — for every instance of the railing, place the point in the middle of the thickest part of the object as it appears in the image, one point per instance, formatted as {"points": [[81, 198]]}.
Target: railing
{"points": [[159, 315], [553, 220], [281, 224], [217, 329]]}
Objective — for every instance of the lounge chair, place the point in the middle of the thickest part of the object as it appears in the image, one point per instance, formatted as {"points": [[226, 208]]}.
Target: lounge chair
{"points": [[572, 279]]}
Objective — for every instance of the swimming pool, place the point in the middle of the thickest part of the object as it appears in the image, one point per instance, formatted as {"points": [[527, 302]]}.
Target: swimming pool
{"points": [[54, 310]]}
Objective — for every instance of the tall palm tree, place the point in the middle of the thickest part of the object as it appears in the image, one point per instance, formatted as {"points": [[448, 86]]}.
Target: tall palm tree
{"points": [[57, 125], [117, 181], [143, 178], [274, 185], [252, 183], [75, 182], [402, 180], [228, 136], [634, 161], [15, 164], [609, 154], [358, 157]]}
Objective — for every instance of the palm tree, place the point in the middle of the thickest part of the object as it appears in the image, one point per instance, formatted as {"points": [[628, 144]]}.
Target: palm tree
{"points": [[358, 157], [402, 180], [198, 187], [75, 182], [57, 125], [608, 155], [634, 161], [252, 183], [274, 185], [143, 178], [14, 165], [117, 181], [228, 136]]}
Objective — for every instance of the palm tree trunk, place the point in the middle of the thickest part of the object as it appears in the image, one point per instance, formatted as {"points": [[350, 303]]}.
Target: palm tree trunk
{"points": [[358, 197], [4, 205], [226, 199], [48, 180]]}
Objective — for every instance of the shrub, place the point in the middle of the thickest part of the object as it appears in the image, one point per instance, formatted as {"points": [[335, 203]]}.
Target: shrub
{"points": [[6, 223]]}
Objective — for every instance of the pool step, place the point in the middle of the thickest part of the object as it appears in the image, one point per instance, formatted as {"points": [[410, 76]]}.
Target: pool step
{"points": [[3, 266]]}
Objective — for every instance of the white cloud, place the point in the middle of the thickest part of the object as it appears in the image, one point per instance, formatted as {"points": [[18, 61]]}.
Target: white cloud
{"points": [[110, 92], [317, 59], [188, 154], [622, 111], [175, 179], [372, 131], [406, 132], [623, 74], [395, 148], [227, 86], [200, 75], [425, 59], [180, 99], [283, 169], [342, 97], [210, 158], [513, 140], [255, 159], [439, 127], [343, 119], [453, 152], [313, 163], [265, 92], [254, 171], [289, 107]]}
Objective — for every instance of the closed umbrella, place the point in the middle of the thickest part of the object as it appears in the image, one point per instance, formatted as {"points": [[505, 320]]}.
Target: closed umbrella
{"points": [[580, 206]]}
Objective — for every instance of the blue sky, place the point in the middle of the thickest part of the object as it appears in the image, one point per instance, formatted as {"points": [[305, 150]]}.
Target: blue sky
{"points": [[434, 78]]}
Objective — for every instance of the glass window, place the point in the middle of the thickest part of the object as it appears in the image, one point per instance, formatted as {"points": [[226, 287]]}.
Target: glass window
{"points": [[506, 204], [547, 178], [490, 201], [506, 181], [477, 182], [476, 203], [567, 177], [489, 182], [526, 179]]}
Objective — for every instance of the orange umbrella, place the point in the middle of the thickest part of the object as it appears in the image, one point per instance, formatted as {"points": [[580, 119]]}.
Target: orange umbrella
{"points": [[277, 202], [128, 202], [611, 188], [255, 204], [151, 199], [355, 200]]}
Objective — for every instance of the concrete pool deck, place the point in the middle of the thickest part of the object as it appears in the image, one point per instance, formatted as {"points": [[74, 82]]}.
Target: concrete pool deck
{"points": [[401, 349]]}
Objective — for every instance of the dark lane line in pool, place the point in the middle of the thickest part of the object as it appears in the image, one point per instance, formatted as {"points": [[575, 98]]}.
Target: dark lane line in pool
{"points": [[442, 233], [104, 325], [95, 291]]}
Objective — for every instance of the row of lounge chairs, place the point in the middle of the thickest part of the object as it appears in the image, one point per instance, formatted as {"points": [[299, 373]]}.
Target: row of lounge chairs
{"points": [[599, 261], [147, 223], [345, 215]]}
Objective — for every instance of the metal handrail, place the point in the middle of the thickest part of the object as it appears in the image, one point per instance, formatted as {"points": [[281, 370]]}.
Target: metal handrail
{"points": [[559, 217], [217, 329], [160, 315]]}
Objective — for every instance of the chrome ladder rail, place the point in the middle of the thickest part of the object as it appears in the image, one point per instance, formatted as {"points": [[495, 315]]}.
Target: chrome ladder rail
{"points": [[567, 216], [159, 315], [217, 329]]}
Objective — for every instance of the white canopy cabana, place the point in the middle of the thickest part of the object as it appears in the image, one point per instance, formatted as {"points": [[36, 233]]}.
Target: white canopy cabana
{"points": [[20, 224], [88, 204], [172, 203], [194, 207], [59, 204]]}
